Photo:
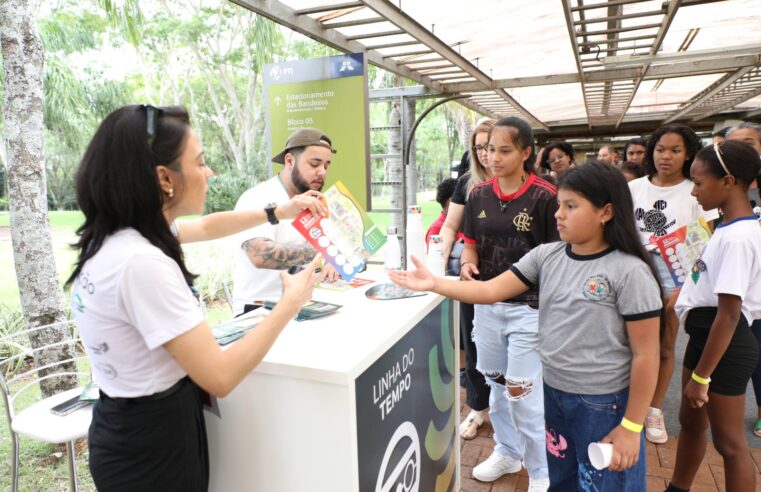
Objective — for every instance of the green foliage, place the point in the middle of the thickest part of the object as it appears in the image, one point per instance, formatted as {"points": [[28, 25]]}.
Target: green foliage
{"points": [[11, 321], [125, 15], [67, 32], [225, 189], [213, 262]]}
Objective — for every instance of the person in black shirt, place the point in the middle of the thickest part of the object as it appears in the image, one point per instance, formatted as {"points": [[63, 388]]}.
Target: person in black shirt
{"points": [[505, 217], [475, 386]]}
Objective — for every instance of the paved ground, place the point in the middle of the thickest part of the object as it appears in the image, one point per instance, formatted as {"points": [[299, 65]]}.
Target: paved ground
{"points": [[660, 459], [660, 463]]}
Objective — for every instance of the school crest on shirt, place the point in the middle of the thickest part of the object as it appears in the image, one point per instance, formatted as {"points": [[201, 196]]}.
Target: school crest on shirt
{"points": [[698, 267], [596, 287]]}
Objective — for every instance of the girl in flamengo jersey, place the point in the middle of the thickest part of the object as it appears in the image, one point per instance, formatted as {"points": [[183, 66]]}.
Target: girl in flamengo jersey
{"points": [[599, 304], [505, 217], [719, 299], [662, 204], [476, 391]]}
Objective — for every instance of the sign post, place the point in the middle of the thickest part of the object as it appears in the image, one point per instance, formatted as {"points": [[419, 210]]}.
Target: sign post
{"points": [[328, 93]]}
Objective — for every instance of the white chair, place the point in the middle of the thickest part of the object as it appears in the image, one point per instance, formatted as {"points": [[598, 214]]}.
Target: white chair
{"points": [[228, 295], [20, 374]]}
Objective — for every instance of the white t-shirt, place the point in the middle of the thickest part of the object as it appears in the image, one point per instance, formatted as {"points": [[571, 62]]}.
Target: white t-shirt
{"points": [[251, 283], [128, 301], [730, 264], [660, 210]]}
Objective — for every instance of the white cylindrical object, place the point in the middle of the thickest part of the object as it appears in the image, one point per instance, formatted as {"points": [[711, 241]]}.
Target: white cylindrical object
{"points": [[415, 236], [392, 253], [600, 454], [435, 261]]}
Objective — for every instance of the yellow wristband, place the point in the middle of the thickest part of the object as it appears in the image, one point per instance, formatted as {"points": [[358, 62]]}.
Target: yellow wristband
{"points": [[629, 425], [700, 380]]}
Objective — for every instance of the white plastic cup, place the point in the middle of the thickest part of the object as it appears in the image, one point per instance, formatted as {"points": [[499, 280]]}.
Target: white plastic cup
{"points": [[435, 261], [600, 454], [415, 236]]}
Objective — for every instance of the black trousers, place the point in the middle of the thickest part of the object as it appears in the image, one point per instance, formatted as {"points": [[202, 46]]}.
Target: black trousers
{"points": [[476, 390], [144, 444]]}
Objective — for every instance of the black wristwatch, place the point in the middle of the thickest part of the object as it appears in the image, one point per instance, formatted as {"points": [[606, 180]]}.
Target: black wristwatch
{"points": [[270, 209]]}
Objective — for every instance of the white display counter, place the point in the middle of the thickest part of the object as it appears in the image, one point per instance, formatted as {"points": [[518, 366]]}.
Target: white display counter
{"points": [[364, 399]]}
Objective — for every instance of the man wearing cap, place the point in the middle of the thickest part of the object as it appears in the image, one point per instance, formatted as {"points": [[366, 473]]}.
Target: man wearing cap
{"points": [[264, 251]]}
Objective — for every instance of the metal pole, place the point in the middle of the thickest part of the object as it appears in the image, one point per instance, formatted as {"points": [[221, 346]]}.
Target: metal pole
{"points": [[406, 146]]}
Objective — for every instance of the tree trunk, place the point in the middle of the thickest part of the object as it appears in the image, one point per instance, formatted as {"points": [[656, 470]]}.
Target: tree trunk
{"points": [[394, 164], [412, 174], [36, 276]]}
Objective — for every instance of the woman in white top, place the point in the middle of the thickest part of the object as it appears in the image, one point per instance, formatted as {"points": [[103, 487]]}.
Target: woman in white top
{"points": [[719, 300], [151, 351], [663, 204]]}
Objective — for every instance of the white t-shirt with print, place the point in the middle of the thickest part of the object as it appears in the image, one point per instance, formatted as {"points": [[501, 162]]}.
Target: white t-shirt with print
{"points": [[730, 264], [128, 301], [251, 283], [660, 210]]}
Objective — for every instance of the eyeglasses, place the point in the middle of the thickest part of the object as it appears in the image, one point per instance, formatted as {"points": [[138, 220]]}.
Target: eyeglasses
{"points": [[152, 115], [481, 148], [717, 149], [556, 159]]}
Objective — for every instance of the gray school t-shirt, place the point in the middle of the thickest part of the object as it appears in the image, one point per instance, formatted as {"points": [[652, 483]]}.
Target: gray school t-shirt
{"points": [[584, 303]]}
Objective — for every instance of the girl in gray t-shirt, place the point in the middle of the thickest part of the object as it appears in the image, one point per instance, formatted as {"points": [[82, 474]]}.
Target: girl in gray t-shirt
{"points": [[599, 309]]}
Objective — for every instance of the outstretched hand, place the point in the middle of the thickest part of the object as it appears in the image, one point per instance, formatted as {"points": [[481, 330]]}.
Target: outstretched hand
{"points": [[420, 279], [311, 200]]}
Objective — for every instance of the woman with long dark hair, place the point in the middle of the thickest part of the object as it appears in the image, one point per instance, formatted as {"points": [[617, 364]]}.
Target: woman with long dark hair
{"points": [[151, 351], [599, 304]]}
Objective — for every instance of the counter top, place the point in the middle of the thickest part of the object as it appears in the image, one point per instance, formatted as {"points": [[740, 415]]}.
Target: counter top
{"points": [[338, 347]]}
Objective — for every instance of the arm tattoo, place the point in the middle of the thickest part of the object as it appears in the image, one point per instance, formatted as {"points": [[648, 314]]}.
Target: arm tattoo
{"points": [[266, 253]]}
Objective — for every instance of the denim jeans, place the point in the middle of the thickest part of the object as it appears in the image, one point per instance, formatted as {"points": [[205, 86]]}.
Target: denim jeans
{"points": [[574, 421], [476, 390], [506, 341]]}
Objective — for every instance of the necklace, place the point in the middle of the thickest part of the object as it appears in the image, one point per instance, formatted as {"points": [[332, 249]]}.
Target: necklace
{"points": [[503, 204]]}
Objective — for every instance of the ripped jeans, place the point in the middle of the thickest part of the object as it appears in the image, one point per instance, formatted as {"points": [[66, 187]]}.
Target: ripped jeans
{"points": [[574, 421], [506, 344]]}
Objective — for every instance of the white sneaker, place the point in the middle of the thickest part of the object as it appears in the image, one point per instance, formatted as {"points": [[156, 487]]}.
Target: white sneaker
{"points": [[538, 484], [655, 427], [495, 466]]}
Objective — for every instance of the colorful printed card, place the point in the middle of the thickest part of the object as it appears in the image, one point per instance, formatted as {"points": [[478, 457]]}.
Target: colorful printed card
{"points": [[234, 329], [341, 285], [346, 237], [683, 247]]}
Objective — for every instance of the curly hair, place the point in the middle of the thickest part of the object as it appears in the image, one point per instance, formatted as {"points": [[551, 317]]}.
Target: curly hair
{"points": [[691, 142]]}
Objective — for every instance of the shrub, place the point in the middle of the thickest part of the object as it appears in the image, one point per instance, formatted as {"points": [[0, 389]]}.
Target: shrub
{"points": [[225, 189], [11, 321], [213, 262]]}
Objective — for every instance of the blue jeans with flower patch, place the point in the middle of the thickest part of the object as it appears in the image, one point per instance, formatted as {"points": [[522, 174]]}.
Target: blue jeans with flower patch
{"points": [[573, 421]]}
